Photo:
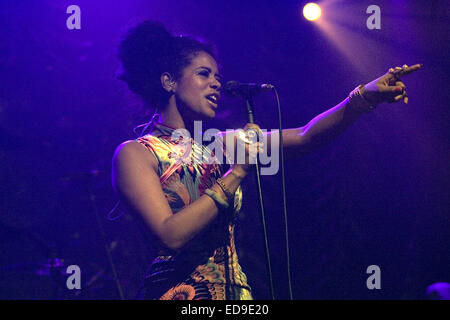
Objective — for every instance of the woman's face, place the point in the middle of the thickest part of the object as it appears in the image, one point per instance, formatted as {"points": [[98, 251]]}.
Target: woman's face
{"points": [[197, 90]]}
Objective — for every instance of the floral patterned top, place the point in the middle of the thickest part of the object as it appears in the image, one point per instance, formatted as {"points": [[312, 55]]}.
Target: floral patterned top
{"points": [[207, 267]]}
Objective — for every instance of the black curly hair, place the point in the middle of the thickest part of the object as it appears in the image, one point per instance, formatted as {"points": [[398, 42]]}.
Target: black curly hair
{"points": [[147, 51]]}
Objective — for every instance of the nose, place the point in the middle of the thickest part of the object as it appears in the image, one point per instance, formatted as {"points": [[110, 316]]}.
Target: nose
{"points": [[216, 84]]}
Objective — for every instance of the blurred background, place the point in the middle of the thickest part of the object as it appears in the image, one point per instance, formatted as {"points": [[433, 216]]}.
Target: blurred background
{"points": [[376, 195]]}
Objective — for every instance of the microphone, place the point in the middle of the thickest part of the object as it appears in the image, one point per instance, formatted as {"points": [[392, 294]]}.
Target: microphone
{"points": [[234, 88]]}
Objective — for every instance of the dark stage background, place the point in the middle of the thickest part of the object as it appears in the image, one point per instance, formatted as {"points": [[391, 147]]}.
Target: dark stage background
{"points": [[378, 194]]}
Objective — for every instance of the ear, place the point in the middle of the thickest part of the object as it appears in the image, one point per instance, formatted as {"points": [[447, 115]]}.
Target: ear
{"points": [[168, 83]]}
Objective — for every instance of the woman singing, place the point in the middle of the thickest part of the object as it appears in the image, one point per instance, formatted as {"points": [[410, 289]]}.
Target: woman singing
{"points": [[188, 208]]}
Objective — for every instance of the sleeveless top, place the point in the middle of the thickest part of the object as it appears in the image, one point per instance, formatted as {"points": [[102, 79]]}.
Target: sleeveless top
{"points": [[207, 267]]}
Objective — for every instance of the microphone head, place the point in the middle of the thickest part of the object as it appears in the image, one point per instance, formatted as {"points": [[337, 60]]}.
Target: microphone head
{"points": [[232, 88]]}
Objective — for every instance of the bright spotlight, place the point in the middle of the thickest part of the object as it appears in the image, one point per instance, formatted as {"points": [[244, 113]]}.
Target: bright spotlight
{"points": [[312, 11]]}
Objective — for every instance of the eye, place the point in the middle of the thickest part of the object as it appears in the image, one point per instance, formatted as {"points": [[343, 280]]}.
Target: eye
{"points": [[207, 73], [204, 73]]}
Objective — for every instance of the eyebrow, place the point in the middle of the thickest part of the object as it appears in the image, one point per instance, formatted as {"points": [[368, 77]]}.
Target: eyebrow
{"points": [[210, 70]]}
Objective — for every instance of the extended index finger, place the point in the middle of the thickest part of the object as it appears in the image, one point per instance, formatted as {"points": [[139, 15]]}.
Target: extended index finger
{"points": [[409, 70]]}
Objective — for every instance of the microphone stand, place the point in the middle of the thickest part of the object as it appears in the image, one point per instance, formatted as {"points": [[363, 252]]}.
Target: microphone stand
{"points": [[250, 104]]}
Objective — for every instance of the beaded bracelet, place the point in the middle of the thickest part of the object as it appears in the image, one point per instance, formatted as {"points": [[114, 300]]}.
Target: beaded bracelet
{"points": [[217, 198], [224, 188], [358, 102]]}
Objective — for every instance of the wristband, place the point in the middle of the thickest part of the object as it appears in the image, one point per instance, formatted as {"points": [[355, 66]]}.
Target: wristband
{"points": [[358, 102], [224, 188], [217, 198]]}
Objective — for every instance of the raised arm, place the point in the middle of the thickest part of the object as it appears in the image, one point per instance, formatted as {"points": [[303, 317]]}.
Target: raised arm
{"points": [[329, 124]]}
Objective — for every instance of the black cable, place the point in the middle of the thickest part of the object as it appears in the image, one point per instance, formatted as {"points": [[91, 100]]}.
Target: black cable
{"points": [[249, 103], [146, 126], [283, 183], [105, 244]]}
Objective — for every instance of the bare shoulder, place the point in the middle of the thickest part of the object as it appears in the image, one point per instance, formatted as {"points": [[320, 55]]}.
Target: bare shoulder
{"points": [[137, 183], [132, 152]]}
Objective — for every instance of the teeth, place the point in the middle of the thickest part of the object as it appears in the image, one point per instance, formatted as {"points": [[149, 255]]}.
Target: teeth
{"points": [[212, 98]]}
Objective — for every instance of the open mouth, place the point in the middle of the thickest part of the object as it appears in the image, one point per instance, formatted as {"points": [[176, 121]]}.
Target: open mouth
{"points": [[213, 99]]}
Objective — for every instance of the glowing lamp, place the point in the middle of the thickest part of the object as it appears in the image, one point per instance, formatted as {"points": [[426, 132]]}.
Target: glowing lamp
{"points": [[312, 11]]}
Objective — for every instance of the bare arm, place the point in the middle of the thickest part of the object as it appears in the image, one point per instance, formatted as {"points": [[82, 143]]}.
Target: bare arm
{"points": [[136, 181], [326, 126], [321, 129]]}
